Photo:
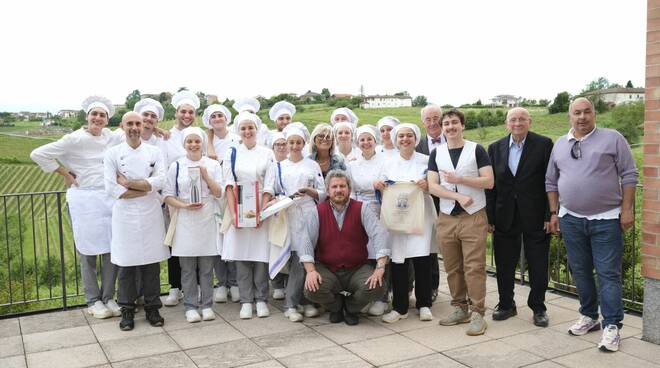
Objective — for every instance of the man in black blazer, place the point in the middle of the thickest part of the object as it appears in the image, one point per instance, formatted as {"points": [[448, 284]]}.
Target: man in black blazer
{"points": [[517, 210], [431, 119]]}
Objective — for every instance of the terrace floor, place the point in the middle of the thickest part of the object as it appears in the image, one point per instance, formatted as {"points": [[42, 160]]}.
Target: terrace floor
{"points": [[72, 339]]}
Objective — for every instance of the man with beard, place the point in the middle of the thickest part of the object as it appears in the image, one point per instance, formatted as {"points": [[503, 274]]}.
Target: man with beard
{"points": [[339, 276]]}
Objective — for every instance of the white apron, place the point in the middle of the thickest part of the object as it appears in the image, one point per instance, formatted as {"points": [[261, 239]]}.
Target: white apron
{"points": [[196, 232], [138, 232], [91, 219]]}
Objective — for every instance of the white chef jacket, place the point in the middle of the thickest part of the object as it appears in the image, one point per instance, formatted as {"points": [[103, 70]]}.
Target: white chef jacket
{"points": [[137, 223], [353, 155], [222, 145], [173, 147]]}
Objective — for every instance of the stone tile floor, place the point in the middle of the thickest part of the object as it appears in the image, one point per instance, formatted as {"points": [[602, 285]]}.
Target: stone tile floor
{"points": [[72, 339]]}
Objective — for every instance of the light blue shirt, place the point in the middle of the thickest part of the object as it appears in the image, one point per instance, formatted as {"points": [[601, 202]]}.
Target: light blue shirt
{"points": [[515, 151]]}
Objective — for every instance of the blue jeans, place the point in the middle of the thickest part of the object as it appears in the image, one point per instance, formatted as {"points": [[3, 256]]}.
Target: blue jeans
{"points": [[596, 244]]}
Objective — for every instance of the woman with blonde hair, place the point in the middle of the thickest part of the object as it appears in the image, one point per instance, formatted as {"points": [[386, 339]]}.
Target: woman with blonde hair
{"points": [[322, 146]]}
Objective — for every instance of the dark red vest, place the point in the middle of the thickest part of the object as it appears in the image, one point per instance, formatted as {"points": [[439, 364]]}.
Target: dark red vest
{"points": [[345, 248]]}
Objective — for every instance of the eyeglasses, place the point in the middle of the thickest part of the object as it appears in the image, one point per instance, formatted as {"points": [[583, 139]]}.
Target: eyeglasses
{"points": [[323, 138], [576, 151]]}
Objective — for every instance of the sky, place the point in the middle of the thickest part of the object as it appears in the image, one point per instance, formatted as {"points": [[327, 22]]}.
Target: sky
{"points": [[56, 53]]}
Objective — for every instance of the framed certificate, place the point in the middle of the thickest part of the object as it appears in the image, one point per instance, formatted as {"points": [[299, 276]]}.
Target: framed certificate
{"points": [[247, 206]]}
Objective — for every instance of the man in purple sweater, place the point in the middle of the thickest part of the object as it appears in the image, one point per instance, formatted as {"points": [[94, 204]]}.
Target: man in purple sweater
{"points": [[590, 182]]}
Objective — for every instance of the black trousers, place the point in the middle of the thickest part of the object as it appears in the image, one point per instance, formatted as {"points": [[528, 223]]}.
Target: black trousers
{"points": [[507, 254], [422, 266], [435, 274], [174, 272], [128, 292]]}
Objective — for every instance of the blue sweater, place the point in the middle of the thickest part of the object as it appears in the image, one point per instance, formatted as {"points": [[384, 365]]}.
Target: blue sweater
{"points": [[591, 184]]}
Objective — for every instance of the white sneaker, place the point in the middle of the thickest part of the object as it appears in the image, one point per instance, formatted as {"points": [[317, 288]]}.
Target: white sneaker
{"points": [[113, 307], [173, 298], [278, 294], [583, 326], [262, 310], [220, 294], [193, 316], [377, 308], [293, 315], [425, 314], [246, 311], [99, 310], [207, 314], [235, 295], [393, 316], [610, 340], [310, 311]]}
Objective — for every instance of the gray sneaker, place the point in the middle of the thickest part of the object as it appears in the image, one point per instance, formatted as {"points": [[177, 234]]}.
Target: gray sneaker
{"points": [[477, 325], [455, 317]]}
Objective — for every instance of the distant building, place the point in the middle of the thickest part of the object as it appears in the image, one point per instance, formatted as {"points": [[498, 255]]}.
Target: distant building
{"points": [[342, 95], [310, 96], [617, 96], [505, 100], [383, 101], [67, 114]]}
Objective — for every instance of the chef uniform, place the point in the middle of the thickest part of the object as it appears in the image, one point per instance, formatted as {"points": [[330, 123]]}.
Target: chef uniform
{"points": [[355, 152], [90, 208], [390, 121]]}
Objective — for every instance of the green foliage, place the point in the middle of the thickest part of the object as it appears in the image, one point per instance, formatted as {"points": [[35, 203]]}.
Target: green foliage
{"points": [[596, 84], [561, 103], [629, 84], [7, 117], [420, 101], [628, 119], [116, 118], [479, 118], [402, 93], [132, 99], [325, 93]]}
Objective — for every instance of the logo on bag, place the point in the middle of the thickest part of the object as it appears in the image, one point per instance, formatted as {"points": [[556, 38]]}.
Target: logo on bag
{"points": [[402, 201]]}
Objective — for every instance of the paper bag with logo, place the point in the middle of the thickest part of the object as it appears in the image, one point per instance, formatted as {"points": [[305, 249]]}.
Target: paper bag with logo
{"points": [[278, 229], [402, 210]]}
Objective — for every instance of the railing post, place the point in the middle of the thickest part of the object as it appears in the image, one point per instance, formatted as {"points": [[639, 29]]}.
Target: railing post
{"points": [[61, 241]]}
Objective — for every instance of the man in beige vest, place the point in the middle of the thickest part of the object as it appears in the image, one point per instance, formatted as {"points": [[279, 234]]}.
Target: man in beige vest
{"points": [[459, 172]]}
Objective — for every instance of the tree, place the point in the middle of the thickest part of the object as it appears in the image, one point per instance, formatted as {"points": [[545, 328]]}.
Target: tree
{"points": [[478, 103], [202, 102], [132, 99], [163, 98], [325, 93], [628, 119], [182, 89], [629, 84], [561, 103], [420, 101], [544, 102], [596, 84], [403, 94]]}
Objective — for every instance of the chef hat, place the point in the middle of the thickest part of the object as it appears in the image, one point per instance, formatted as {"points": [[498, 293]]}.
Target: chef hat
{"points": [[206, 117], [246, 104], [414, 128], [193, 130], [298, 126], [281, 108], [344, 111], [98, 101], [246, 116], [274, 137], [151, 105], [185, 97], [369, 129], [343, 124], [389, 121], [295, 131]]}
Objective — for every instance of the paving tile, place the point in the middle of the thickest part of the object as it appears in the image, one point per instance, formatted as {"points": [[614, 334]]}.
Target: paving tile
{"points": [[178, 359], [429, 361], [492, 299], [493, 354], [230, 354], [107, 331], [511, 326], [75, 357], [138, 347], [266, 364], [325, 358], [341, 333], [387, 349], [545, 364], [16, 361], [176, 321], [264, 326], [52, 321], [442, 338], [412, 322], [551, 295], [557, 315], [594, 358], [293, 342], [633, 321], [323, 319], [202, 334], [548, 343], [58, 339], [566, 302], [9, 327], [641, 349], [595, 336], [10, 346], [228, 311]]}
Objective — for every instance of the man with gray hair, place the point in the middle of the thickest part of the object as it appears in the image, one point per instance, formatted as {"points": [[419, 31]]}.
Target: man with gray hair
{"points": [[339, 276]]}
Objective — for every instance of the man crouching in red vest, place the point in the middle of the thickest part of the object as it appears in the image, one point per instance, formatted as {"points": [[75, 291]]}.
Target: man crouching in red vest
{"points": [[335, 257]]}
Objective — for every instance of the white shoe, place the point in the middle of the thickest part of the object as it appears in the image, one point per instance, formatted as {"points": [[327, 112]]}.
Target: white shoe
{"points": [[393, 316], [278, 294], [425, 314], [113, 307], [173, 298], [207, 314], [293, 315], [246, 311], [262, 310], [310, 311], [99, 310], [610, 340], [220, 294], [377, 308], [193, 316], [235, 295]]}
